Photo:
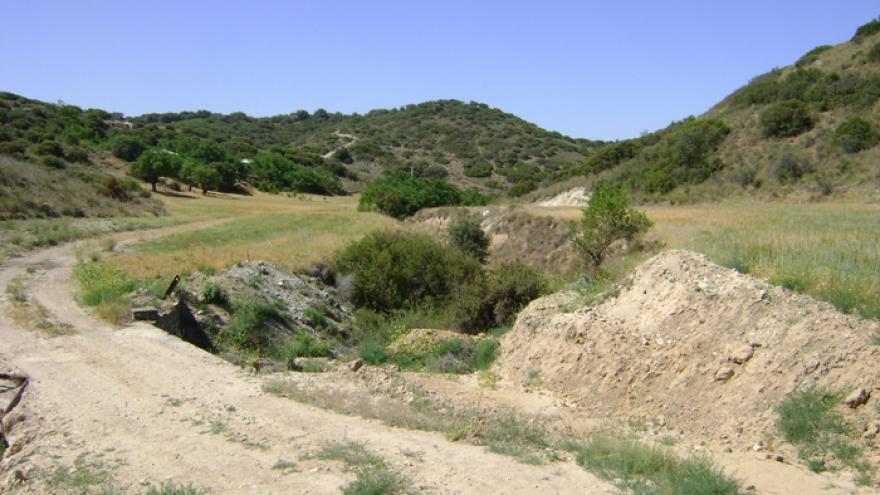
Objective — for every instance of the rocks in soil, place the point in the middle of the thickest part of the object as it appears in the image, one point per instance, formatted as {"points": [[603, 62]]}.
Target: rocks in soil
{"points": [[696, 341], [857, 397]]}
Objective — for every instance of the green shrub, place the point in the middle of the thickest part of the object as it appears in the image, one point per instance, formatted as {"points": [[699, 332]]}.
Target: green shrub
{"points": [[866, 30], [395, 270], [303, 344], [49, 148], [52, 162], [466, 233], [274, 173], [855, 134], [790, 167], [213, 293], [874, 53], [496, 300], [478, 168], [126, 148], [249, 328], [317, 318], [77, 155], [786, 119], [400, 195], [607, 219], [812, 55], [521, 188]]}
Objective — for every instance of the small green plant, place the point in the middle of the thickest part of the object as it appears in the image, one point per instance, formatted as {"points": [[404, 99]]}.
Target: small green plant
{"points": [[607, 219], [174, 489], [316, 317], [248, 329], [809, 420], [303, 344], [213, 293], [374, 475], [284, 465]]}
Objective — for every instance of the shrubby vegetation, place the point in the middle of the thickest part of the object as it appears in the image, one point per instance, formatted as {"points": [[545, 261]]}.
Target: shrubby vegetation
{"points": [[786, 118], [400, 195], [812, 55], [608, 218], [855, 134], [467, 235]]}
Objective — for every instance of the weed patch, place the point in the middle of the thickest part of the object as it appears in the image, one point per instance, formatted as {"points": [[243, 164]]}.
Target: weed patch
{"points": [[808, 420], [374, 475], [644, 470]]}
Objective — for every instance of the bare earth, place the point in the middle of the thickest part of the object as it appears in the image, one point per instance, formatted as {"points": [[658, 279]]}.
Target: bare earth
{"points": [[153, 408], [146, 402]]}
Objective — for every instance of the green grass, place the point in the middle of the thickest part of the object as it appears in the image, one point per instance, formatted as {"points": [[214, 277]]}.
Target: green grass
{"points": [[174, 489], [83, 477], [108, 289], [641, 469], [374, 475], [809, 420], [457, 356]]}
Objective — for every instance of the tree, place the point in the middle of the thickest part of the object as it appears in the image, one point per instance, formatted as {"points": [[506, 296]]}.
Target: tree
{"points": [[207, 178], [467, 234], [607, 219], [156, 163], [126, 148]]}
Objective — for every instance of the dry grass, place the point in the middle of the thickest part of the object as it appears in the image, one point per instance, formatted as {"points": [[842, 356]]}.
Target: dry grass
{"points": [[828, 250], [293, 232], [30, 314]]}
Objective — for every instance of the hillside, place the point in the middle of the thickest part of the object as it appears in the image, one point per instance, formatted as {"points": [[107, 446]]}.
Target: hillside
{"points": [[809, 130], [470, 144]]}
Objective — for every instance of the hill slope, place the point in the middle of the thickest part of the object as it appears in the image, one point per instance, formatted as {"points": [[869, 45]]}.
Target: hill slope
{"points": [[809, 128]]}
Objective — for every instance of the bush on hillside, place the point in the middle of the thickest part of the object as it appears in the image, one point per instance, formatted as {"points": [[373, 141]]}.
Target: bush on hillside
{"points": [[812, 55], [790, 167], [49, 148], [874, 53], [607, 219], [274, 173], [855, 134], [786, 118], [393, 270], [496, 300], [400, 195], [521, 188], [866, 30], [77, 155], [126, 148], [467, 234], [478, 168]]}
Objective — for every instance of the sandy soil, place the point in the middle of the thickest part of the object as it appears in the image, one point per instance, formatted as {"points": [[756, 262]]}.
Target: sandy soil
{"points": [[156, 409]]}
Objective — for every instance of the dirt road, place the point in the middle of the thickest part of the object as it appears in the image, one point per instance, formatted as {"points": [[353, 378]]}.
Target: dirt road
{"points": [[149, 408]]}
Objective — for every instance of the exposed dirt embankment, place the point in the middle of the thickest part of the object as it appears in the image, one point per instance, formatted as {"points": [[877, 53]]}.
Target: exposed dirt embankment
{"points": [[541, 242], [699, 347]]}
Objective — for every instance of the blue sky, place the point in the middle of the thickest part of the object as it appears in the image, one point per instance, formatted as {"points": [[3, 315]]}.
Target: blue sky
{"points": [[594, 69]]}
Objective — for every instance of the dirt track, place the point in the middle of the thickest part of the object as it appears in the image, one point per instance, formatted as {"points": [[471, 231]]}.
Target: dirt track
{"points": [[159, 409]]}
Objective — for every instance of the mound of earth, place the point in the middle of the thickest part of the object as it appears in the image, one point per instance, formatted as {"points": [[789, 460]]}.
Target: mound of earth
{"points": [[541, 242], [311, 303], [701, 348], [577, 197]]}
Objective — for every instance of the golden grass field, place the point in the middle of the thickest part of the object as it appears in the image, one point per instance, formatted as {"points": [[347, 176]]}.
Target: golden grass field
{"points": [[829, 250]]}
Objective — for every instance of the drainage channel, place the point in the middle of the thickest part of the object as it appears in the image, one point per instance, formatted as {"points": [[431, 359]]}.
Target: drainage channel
{"points": [[21, 383]]}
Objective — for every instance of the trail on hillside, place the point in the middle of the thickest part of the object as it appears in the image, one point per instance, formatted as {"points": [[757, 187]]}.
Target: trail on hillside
{"points": [[151, 408]]}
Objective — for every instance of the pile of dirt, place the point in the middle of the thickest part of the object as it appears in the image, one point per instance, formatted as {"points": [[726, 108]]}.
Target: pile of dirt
{"points": [[311, 302], [577, 197], [700, 348], [541, 242]]}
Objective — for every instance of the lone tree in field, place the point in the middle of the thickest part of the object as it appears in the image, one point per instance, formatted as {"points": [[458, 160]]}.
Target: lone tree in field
{"points": [[607, 219]]}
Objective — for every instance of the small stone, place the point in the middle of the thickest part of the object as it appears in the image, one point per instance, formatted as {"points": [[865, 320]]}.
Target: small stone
{"points": [[723, 374], [728, 450], [742, 354], [857, 397], [779, 458], [749, 488], [758, 447], [356, 365]]}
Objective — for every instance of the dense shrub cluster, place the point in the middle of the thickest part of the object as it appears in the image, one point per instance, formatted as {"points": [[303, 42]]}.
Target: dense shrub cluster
{"points": [[814, 87], [400, 195], [855, 134], [812, 55], [786, 118], [865, 30], [495, 300], [467, 234], [393, 270]]}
